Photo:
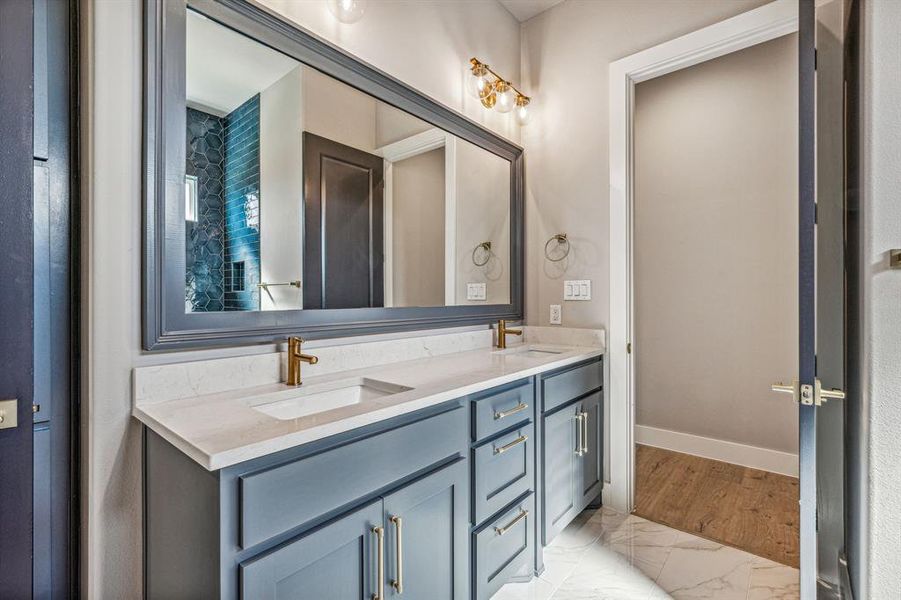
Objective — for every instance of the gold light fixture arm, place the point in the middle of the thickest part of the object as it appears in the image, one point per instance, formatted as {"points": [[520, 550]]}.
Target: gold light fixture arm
{"points": [[475, 62]]}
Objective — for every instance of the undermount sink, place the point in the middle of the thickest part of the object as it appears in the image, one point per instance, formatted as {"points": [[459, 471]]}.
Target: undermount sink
{"points": [[532, 351], [310, 400]]}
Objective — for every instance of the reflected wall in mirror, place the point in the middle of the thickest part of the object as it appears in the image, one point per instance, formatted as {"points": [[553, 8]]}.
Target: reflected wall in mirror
{"points": [[302, 192]]}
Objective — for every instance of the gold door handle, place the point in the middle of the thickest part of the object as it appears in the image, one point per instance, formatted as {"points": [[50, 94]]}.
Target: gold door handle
{"points": [[515, 442], [518, 408], [502, 530], [585, 435], [380, 576], [398, 584], [579, 434]]}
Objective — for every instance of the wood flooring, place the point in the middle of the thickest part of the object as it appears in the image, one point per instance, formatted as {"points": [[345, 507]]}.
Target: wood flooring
{"points": [[752, 510]]}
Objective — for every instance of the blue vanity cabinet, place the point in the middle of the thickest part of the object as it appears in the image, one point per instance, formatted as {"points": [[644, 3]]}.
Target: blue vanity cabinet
{"points": [[301, 523], [417, 535], [426, 546], [571, 444], [336, 561], [502, 460]]}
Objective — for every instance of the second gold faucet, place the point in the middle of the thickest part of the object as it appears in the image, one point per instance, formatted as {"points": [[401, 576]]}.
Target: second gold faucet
{"points": [[295, 357], [503, 332]]}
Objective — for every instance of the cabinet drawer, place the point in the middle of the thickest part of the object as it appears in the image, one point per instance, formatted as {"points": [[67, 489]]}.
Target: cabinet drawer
{"points": [[504, 547], [287, 496], [560, 388], [499, 410], [503, 471]]}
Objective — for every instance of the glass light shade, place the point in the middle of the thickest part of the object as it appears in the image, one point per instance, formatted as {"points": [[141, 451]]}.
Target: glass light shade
{"points": [[522, 113], [347, 11], [506, 97], [478, 82]]}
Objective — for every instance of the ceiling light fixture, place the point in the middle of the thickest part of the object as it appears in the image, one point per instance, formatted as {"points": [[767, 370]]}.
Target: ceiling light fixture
{"points": [[496, 92]]}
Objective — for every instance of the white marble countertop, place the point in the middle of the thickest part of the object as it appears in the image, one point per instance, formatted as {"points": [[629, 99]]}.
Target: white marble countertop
{"points": [[223, 428]]}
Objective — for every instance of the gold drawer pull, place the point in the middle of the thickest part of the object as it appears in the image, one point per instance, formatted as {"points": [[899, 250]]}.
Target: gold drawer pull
{"points": [[398, 584], [515, 442], [380, 535], [502, 530], [579, 445], [518, 408]]}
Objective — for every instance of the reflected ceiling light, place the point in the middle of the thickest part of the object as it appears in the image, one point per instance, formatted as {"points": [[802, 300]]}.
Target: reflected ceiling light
{"points": [[496, 92], [347, 11]]}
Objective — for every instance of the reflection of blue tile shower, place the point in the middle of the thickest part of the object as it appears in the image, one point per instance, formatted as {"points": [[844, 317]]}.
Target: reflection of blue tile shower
{"points": [[205, 237], [223, 245]]}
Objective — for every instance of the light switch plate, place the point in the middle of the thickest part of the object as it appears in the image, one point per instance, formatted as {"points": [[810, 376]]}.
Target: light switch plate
{"points": [[577, 289], [9, 416], [556, 314], [476, 291]]}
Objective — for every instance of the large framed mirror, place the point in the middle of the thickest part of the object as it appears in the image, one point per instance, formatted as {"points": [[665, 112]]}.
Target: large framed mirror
{"points": [[292, 189]]}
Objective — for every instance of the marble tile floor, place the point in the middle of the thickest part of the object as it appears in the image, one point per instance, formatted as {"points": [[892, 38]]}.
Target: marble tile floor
{"points": [[606, 555]]}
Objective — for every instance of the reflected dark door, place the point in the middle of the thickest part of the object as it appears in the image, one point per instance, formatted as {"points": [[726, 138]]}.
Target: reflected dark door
{"points": [[16, 308], [343, 226]]}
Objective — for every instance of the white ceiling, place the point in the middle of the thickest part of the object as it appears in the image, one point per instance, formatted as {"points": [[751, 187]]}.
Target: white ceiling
{"points": [[225, 69], [524, 10]]}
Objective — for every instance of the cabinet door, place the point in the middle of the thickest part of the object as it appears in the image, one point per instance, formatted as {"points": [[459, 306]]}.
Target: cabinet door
{"points": [[591, 459], [336, 562], [426, 526], [560, 470]]}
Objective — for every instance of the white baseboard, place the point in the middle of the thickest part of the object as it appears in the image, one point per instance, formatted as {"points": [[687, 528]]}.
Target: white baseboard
{"points": [[784, 463]]}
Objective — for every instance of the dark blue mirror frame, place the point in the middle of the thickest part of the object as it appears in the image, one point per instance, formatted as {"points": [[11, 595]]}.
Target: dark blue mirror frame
{"points": [[166, 325]]}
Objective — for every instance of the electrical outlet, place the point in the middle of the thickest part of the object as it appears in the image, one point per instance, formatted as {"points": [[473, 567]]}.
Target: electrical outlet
{"points": [[556, 314]]}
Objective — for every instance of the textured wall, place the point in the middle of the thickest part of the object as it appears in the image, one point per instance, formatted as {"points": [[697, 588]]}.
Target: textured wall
{"points": [[880, 309]]}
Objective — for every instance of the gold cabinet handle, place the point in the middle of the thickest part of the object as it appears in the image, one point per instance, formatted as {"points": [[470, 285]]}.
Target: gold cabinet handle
{"points": [[515, 442], [518, 408], [398, 584], [585, 434], [579, 434], [380, 576], [502, 530]]}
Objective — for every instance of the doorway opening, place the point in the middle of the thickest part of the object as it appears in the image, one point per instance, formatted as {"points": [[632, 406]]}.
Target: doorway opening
{"points": [[715, 270]]}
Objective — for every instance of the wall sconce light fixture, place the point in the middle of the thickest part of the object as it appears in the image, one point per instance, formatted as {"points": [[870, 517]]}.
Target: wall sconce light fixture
{"points": [[347, 11], [496, 92]]}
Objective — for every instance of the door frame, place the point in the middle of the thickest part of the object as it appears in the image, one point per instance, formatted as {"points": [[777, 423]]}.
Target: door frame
{"points": [[757, 26], [415, 145]]}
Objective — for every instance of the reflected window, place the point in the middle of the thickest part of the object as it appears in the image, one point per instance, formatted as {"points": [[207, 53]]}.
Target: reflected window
{"points": [[191, 198]]}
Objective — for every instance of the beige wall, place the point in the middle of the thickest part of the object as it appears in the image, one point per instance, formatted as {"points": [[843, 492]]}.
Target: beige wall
{"points": [[425, 44], [281, 191], [566, 51], [716, 247], [418, 230], [483, 215]]}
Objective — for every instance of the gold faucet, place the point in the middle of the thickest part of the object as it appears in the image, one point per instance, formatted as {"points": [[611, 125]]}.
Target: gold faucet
{"points": [[503, 332], [295, 357]]}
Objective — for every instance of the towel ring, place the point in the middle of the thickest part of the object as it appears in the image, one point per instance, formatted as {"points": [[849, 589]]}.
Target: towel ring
{"points": [[561, 240], [486, 248]]}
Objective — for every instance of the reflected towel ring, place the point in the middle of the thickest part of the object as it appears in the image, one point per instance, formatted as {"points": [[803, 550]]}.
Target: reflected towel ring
{"points": [[486, 248], [562, 241]]}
